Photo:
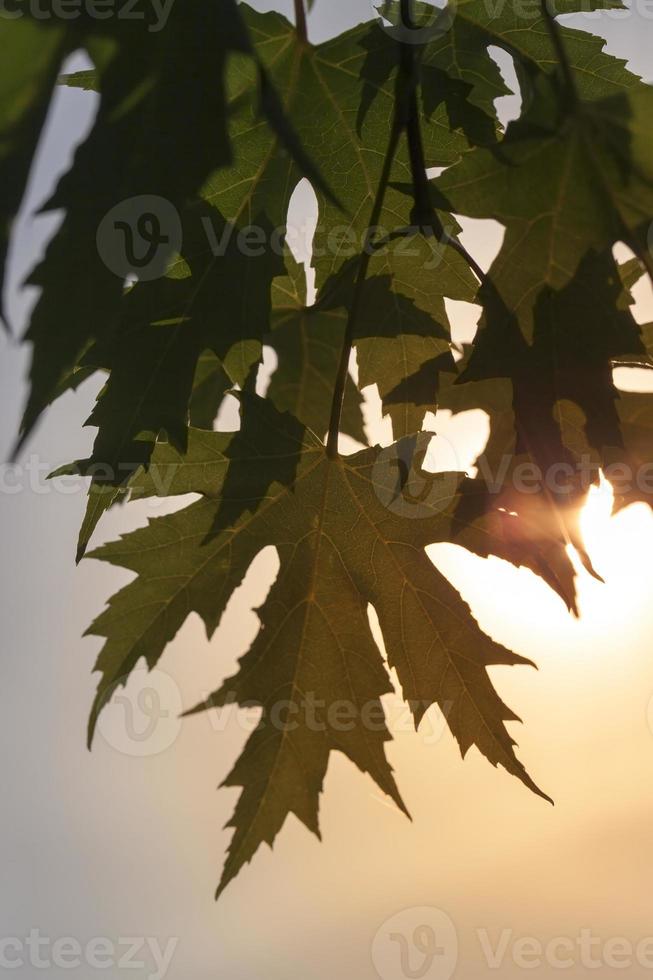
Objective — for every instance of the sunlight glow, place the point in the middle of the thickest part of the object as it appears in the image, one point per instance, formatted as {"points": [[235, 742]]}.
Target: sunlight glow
{"points": [[596, 515]]}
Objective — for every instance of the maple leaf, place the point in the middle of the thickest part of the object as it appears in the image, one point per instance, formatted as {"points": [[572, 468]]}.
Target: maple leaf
{"points": [[521, 30], [528, 529], [158, 90], [349, 532], [344, 92], [459, 73], [307, 341], [403, 333], [221, 113], [210, 385], [556, 406], [402, 336], [169, 322], [562, 186], [30, 66]]}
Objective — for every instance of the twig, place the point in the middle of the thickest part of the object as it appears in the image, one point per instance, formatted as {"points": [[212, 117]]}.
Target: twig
{"points": [[423, 210], [424, 214], [301, 28]]}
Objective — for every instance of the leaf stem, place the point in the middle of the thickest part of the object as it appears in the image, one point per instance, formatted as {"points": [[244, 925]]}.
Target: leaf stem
{"points": [[559, 46], [405, 116], [301, 28], [348, 339], [423, 210], [458, 246], [424, 214]]}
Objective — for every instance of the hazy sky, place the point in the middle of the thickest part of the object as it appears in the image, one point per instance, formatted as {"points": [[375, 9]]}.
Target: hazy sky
{"points": [[116, 844]]}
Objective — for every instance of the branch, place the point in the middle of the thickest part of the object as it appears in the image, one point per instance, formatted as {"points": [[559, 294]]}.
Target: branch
{"points": [[424, 215], [423, 210], [301, 28]]}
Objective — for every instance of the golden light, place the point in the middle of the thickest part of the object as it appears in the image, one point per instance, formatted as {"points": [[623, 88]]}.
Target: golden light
{"points": [[596, 515]]}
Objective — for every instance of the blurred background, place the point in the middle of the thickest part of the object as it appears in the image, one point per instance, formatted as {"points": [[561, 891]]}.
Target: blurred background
{"points": [[128, 841]]}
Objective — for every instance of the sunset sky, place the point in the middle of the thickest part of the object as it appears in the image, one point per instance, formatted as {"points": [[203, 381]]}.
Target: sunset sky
{"points": [[116, 844]]}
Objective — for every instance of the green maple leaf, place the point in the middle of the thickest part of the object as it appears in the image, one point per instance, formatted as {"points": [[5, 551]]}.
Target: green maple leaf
{"points": [[459, 81], [402, 336], [30, 66], [584, 332], [521, 30], [629, 465], [158, 90], [221, 114], [458, 71], [529, 530], [210, 385], [403, 333], [344, 92], [307, 341], [562, 187], [154, 358], [348, 532], [199, 306], [556, 404]]}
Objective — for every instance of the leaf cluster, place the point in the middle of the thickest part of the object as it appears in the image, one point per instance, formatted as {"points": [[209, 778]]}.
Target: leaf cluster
{"points": [[221, 113]]}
